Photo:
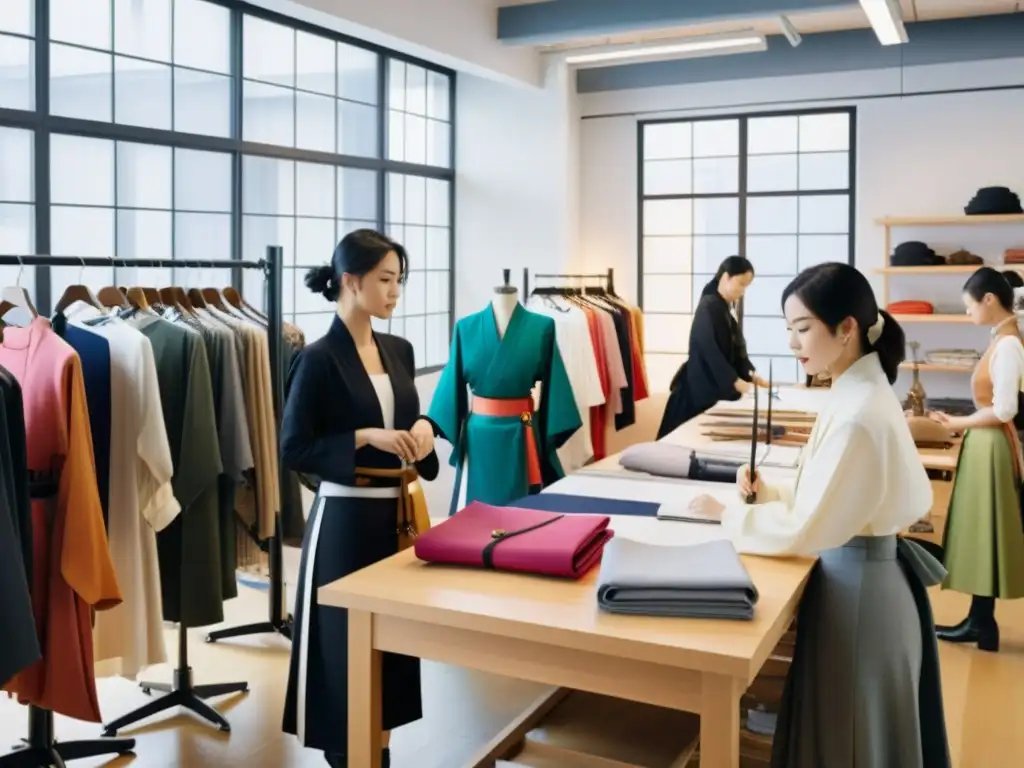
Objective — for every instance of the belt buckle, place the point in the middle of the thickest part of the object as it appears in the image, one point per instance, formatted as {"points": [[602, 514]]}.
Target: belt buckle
{"points": [[498, 533], [526, 418]]}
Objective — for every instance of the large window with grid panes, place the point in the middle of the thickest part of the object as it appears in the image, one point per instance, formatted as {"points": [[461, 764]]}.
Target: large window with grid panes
{"points": [[776, 188], [208, 130]]}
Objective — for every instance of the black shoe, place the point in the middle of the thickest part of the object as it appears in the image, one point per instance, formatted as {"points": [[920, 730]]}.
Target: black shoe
{"points": [[979, 627], [336, 759], [385, 757]]}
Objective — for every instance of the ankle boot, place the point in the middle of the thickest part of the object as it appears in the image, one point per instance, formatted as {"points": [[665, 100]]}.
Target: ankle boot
{"points": [[336, 759], [979, 627]]}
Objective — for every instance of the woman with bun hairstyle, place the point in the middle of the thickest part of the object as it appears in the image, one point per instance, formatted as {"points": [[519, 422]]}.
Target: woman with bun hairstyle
{"points": [[352, 426], [717, 367], [863, 689], [983, 539]]}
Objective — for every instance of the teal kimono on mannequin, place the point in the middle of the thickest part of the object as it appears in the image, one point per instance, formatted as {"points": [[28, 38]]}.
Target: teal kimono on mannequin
{"points": [[484, 407]]}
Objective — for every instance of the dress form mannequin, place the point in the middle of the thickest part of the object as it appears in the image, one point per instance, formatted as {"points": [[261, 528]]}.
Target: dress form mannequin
{"points": [[506, 297]]}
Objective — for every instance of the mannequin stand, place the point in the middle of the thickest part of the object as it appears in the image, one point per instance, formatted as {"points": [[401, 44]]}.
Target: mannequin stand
{"points": [[40, 750], [180, 693]]}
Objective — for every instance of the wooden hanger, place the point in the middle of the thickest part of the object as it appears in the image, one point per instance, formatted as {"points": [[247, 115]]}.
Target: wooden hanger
{"points": [[213, 298], [175, 296], [235, 299], [195, 295], [112, 296], [75, 293], [139, 297]]}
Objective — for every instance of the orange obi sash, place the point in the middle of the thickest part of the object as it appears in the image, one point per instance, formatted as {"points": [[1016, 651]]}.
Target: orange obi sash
{"points": [[523, 408], [413, 516]]}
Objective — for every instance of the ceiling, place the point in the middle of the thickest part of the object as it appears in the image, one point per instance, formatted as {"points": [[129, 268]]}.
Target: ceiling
{"points": [[561, 24]]}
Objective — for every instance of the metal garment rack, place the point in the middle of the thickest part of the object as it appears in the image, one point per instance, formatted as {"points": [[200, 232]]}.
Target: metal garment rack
{"points": [[608, 277], [42, 750]]}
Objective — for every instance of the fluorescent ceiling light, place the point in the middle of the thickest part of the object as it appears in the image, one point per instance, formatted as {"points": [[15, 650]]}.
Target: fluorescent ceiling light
{"points": [[886, 19], [686, 48]]}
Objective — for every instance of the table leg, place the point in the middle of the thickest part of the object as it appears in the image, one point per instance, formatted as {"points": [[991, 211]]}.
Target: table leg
{"points": [[720, 721], [364, 692]]}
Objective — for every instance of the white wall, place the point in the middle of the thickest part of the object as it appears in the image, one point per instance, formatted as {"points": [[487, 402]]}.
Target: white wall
{"points": [[916, 155], [460, 34]]}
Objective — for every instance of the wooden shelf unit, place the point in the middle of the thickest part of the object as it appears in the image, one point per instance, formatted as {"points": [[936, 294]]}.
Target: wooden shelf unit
{"points": [[937, 367], [939, 270]]}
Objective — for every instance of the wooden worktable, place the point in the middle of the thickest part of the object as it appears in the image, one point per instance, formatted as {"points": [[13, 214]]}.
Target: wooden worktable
{"points": [[551, 631]]}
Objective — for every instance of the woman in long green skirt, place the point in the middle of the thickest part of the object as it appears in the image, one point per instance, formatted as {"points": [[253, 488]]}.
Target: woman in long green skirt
{"points": [[984, 535]]}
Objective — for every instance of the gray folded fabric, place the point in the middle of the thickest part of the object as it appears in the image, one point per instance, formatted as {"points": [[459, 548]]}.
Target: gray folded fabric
{"points": [[702, 581], [660, 459]]}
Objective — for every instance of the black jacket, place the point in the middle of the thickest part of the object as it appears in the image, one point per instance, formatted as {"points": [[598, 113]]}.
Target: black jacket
{"points": [[718, 356]]}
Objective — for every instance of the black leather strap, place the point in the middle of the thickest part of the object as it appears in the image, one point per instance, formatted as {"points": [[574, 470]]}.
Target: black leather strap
{"points": [[499, 536]]}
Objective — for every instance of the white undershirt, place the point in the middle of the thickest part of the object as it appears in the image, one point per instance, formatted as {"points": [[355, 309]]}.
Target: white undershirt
{"points": [[386, 397]]}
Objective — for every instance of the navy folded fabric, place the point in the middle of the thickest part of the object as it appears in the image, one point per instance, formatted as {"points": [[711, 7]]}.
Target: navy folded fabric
{"points": [[593, 505]]}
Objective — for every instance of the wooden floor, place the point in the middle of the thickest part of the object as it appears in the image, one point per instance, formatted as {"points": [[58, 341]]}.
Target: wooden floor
{"points": [[984, 697]]}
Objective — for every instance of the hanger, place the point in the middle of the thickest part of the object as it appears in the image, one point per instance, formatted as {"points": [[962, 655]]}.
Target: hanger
{"points": [[212, 298], [17, 297], [235, 299], [139, 297], [112, 296], [174, 296], [77, 292]]}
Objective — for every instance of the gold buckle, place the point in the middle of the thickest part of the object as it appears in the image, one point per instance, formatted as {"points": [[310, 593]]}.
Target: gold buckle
{"points": [[498, 533], [526, 418]]}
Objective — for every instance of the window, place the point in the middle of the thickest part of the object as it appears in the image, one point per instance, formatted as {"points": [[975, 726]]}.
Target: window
{"points": [[777, 189], [208, 130], [418, 217]]}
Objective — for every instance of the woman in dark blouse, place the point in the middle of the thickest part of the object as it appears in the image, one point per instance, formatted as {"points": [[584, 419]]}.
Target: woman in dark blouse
{"points": [[352, 427], [717, 367]]}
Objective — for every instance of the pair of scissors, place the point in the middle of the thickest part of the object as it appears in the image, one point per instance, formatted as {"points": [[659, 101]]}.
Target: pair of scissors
{"points": [[752, 496]]}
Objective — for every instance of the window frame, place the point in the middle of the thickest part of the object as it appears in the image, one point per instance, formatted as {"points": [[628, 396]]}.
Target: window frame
{"points": [[44, 125], [742, 195]]}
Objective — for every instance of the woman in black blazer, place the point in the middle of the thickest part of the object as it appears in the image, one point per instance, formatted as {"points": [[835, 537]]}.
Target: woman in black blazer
{"points": [[717, 367]]}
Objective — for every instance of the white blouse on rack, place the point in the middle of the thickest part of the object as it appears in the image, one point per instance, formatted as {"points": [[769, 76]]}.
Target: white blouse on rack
{"points": [[860, 474], [1006, 368]]}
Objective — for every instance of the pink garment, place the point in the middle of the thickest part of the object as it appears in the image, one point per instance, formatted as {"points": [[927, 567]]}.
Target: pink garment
{"points": [[72, 570], [616, 367]]}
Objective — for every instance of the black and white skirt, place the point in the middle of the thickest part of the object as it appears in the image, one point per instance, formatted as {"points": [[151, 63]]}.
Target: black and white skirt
{"points": [[348, 529]]}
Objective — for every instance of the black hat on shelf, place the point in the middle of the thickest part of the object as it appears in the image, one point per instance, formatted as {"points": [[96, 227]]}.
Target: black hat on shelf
{"points": [[993, 201], [915, 254]]}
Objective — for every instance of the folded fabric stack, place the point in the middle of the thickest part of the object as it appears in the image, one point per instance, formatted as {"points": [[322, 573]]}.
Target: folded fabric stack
{"points": [[705, 581], [1013, 256], [911, 307], [660, 459], [515, 539], [964, 358]]}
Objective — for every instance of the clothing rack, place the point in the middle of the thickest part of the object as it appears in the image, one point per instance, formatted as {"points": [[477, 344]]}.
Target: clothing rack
{"points": [[608, 277], [42, 750], [278, 622]]}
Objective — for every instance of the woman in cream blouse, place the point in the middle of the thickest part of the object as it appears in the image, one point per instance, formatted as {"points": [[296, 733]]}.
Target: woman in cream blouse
{"points": [[983, 538], [864, 688]]}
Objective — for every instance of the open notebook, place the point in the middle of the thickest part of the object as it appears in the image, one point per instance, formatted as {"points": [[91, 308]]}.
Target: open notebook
{"points": [[678, 509]]}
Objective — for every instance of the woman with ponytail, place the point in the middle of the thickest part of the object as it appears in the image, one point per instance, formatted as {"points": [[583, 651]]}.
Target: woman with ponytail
{"points": [[352, 426], [864, 686], [717, 367], [983, 539]]}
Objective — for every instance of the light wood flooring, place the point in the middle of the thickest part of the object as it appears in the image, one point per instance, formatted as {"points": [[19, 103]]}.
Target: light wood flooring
{"points": [[984, 698]]}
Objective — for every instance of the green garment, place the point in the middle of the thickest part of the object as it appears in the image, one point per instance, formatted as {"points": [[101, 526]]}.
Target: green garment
{"points": [[983, 540], [503, 367], [189, 548]]}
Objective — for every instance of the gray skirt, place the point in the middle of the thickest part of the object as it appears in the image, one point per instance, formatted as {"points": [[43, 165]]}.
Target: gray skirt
{"points": [[863, 690]]}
